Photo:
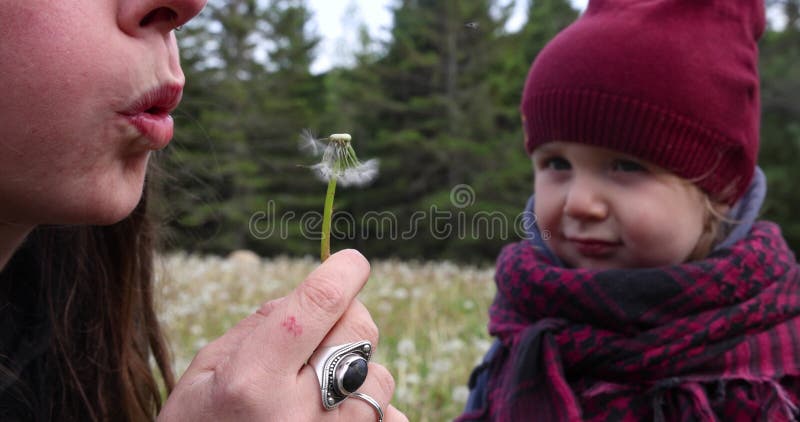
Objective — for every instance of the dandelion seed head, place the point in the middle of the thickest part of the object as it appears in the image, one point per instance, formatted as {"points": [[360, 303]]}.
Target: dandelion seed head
{"points": [[400, 293], [406, 347], [403, 393], [200, 343], [385, 307], [340, 137], [460, 394], [453, 346], [339, 160], [441, 366]]}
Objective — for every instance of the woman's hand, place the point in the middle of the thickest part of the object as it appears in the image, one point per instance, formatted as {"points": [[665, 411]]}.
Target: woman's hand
{"points": [[257, 372]]}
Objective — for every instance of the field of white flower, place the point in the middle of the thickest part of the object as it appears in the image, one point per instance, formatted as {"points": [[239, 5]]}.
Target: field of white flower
{"points": [[432, 317]]}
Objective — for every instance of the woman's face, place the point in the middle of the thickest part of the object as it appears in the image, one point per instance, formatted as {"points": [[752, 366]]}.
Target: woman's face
{"points": [[86, 88], [603, 209]]}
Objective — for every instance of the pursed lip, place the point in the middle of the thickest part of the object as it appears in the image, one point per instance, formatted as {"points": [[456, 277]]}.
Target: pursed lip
{"points": [[150, 114]]}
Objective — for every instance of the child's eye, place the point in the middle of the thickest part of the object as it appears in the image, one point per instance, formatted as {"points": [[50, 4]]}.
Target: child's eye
{"points": [[556, 163], [627, 166]]}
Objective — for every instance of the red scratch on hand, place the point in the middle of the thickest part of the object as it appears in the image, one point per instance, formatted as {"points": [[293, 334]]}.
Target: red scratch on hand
{"points": [[291, 325]]}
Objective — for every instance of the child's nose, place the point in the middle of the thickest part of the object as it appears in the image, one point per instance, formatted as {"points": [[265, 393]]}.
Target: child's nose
{"points": [[585, 201]]}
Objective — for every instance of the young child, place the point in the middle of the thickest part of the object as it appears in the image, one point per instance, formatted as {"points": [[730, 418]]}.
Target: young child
{"points": [[647, 291]]}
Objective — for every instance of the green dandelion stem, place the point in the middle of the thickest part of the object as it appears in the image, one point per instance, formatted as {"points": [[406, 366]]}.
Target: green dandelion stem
{"points": [[325, 250]]}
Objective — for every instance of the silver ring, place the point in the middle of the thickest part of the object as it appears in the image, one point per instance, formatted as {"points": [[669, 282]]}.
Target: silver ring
{"points": [[340, 371], [371, 401]]}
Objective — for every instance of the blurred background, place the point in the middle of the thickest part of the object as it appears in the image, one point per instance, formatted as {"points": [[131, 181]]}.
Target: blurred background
{"points": [[430, 88]]}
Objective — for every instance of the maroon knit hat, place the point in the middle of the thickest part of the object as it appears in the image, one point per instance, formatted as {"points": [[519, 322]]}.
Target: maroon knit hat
{"points": [[674, 82]]}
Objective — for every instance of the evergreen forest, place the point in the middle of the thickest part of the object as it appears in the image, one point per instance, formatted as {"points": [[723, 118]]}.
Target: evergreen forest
{"points": [[436, 103]]}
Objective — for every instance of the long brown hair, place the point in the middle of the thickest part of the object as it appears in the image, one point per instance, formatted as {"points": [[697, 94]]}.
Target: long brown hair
{"points": [[91, 289]]}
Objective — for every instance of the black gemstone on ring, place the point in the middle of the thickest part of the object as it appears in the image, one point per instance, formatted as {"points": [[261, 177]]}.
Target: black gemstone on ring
{"points": [[351, 374]]}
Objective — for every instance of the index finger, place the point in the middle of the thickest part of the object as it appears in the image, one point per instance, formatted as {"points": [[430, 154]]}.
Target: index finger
{"points": [[287, 336]]}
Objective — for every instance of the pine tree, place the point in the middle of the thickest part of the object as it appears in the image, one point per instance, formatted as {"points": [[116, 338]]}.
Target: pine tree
{"points": [[435, 118], [779, 153], [248, 90], [290, 99]]}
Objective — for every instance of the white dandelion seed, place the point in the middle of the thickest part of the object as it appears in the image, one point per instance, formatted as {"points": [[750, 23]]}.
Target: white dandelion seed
{"points": [[360, 175], [323, 170], [460, 394], [309, 143]]}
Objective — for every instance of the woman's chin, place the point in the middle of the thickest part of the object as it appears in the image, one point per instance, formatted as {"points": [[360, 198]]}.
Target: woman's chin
{"points": [[100, 209], [110, 217], [115, 201], [114, 212]]}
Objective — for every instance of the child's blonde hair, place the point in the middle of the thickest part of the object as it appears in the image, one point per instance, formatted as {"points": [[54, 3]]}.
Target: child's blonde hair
{"points": [[716, 224]]}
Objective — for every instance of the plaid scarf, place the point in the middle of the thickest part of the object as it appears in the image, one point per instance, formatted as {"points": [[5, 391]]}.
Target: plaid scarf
{"points": [[711, 340]]}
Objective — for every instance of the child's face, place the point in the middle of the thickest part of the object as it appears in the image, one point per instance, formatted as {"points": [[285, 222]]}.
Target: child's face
{"points": [[603, 209], [70, 71]]}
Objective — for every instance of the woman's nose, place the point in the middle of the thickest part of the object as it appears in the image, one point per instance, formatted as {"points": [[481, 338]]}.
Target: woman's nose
{"points": [[585, 200], [163, 15]]}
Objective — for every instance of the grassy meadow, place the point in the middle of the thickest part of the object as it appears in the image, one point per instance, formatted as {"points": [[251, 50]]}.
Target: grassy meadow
{"points": [[432, 317]]}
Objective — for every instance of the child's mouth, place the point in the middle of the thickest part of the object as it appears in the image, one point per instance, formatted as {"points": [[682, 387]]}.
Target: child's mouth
{"points": [[594, 248]]}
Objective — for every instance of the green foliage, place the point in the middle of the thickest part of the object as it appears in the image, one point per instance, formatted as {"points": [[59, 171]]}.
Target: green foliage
{"points": [[780, 126], [437, 104], [240, 143]]}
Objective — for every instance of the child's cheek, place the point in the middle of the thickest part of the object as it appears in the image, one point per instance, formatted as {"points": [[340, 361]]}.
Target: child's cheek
{"points": [[660, 236], [547, 211]]}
